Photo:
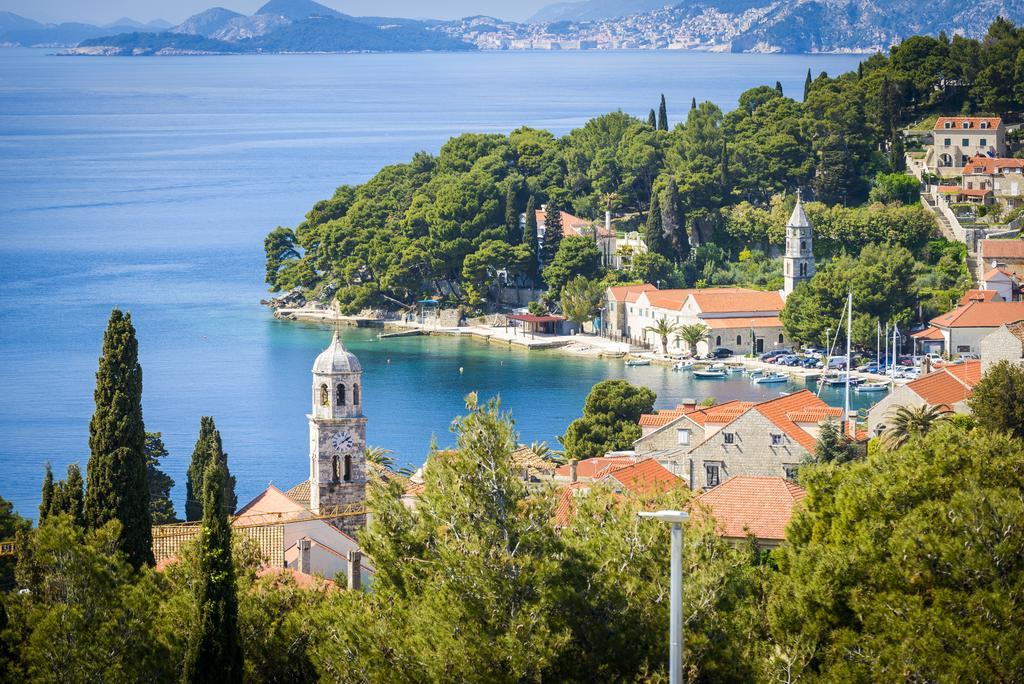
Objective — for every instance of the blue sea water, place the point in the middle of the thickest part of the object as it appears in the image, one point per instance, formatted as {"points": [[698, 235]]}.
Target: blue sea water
{"points": [[149, 183]]}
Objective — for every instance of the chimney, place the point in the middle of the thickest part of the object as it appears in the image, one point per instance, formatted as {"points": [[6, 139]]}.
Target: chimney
{"points": [[851, 425], [572, 470], [355, 563], [689, 404], [304, 556]]}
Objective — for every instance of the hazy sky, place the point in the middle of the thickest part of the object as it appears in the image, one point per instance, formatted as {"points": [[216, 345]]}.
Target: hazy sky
{"points": [[103, 11]]}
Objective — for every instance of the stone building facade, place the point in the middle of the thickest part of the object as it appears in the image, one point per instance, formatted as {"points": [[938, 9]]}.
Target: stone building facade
{"points": [[1005, 344]]}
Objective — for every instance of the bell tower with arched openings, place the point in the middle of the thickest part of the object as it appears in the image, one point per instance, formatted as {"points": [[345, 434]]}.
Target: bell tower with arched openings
{"points": [[798, 261], [337, 437]]}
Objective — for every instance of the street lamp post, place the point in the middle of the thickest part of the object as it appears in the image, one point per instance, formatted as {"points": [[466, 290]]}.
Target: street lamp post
{"points": [[675, 653]]}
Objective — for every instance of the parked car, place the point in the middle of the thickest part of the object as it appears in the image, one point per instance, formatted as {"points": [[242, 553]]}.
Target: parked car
{"points": [[788, 360], [810, 362], [837, 363], [774, 354], [721, 352]]}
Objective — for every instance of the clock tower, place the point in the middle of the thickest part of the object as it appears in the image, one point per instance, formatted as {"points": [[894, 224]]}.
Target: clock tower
{"points": [[798, 261], [337, 438]]}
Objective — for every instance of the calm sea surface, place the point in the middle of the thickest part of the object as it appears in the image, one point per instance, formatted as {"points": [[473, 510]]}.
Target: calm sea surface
{"points": [[150, 183]]}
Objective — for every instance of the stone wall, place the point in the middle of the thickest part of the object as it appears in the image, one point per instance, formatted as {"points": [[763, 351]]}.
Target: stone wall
{"points": [[1002, 345], [666, 438]]}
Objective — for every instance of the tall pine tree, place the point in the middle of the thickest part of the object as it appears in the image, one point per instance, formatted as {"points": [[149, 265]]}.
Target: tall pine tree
{"points": [[208, 447], [807, 83], [654, 234], [117, 487], [693, 104], [530, 240], [662, 114], [512, 230], [652, 119], [161, 508], [778, 88], [553, 231], [672, 223], [214, 651]]}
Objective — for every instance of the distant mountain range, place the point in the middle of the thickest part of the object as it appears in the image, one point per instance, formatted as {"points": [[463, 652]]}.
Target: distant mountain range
{"points": [[794, 26]]}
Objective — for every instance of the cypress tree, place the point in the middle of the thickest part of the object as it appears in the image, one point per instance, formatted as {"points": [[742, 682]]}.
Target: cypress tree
{"points": [[652, 120], [530, 240], [724, 171], [46, 500], [214, 649], [68, 497], [778, 88], [807, 83], [208, 447], [654, 234], [552, 231], [662, 114], [161, 508], [693, 104], [672, 223], [117, 488], [512, 234]]}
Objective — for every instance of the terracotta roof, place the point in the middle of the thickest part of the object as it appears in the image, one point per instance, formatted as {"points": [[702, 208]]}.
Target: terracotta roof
{"points": [[667, 299], [726, 412], [566, 509], [973, 122], [1002, 249], [743, 322], [597, 467], [929, 334], [814, 414], [728, 300], [981, 315], [301, 579], [989, 276], [949, 189], [299, 493], [1016, 329], [619, 292], [778, 412], [761, 506], [525, 457], [662, 417], [949, 385], [981, 163], [979, 295], [645, 477]]}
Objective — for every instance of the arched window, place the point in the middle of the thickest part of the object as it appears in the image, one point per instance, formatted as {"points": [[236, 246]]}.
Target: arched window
{"points": [[355, 394], [335, 469], [803, 245], [348, 467], [718, 341], [739, 340], [780, 338], [803, 270], [787, 268], [341, 394], [325, 395]]}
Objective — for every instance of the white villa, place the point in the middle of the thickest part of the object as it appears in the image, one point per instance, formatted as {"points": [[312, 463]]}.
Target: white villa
{"points": [[956, 139]]}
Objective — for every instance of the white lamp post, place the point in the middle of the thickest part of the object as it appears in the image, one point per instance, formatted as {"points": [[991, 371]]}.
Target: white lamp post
{"points": [[675, 653]]}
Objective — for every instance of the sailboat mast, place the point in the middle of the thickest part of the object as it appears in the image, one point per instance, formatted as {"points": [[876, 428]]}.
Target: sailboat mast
{"points": [[849, 336]]}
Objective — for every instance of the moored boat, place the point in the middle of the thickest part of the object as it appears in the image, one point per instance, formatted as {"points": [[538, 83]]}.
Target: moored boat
{"points": [[638, 362], [878, 386], [771, 378], [682, 365], [710, 373]]}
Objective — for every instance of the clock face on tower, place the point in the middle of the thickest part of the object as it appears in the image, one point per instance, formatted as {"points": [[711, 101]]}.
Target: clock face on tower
{"points": [[343, 442]]}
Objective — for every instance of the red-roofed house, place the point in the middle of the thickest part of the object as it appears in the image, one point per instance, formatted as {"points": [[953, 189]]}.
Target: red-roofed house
{"points": [[617, 299], [1007, 255], [956, 139], [630, 477], [998, 178], [949, 386], [1000, 285], [961, 330], [707, 446], [738, 318], [749, 505]]}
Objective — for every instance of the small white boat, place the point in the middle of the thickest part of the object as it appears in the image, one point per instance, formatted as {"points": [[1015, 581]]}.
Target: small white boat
{"points": [[710, 373], [735, 369], [878, 386], [770, 379], [638, 362], [682, 365]]}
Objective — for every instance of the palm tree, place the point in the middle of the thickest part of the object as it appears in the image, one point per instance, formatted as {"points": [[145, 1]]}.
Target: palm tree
{"points": [[542, 450], [663, 329], [906, 422], [379, 456], [693, 334]]}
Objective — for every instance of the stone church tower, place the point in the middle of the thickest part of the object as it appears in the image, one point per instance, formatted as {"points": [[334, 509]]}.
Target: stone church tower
{"points": [[798, 261], [337, 438]]}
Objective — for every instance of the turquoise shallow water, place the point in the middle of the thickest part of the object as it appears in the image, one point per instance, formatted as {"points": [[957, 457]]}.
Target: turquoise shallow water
{"points": [[150, 183]]}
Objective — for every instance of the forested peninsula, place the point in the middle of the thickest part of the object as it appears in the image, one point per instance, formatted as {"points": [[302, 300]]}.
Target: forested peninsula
{"points": [[716, 187]]}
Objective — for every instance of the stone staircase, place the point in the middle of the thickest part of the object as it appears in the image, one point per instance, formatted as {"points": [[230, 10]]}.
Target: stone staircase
{"points": [[974, 264]]}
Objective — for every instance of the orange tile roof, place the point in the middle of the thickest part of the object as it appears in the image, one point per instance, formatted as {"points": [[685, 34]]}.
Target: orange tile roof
{"points": [[981, 163], [949, 385], [973, 122], [661, 417], [814, 414], [1016, 329], [667, 299], [992, 273], [570, 224], [929, 334], [620, 292], [646, 477], [728, 300], [301, 579], [761, 506], [1002, 249], [778, 411], [979, 295], [719, 413], [596, 467], [981, 315], [566, 509], [743, 322]]}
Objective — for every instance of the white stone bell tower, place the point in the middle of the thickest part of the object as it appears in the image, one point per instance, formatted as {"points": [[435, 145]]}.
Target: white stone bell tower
{"points": [[337, 437], [798, 261]]}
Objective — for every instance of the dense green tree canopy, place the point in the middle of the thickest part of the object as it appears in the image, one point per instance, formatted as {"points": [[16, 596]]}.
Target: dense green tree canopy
{"points": [[610, 419]]}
